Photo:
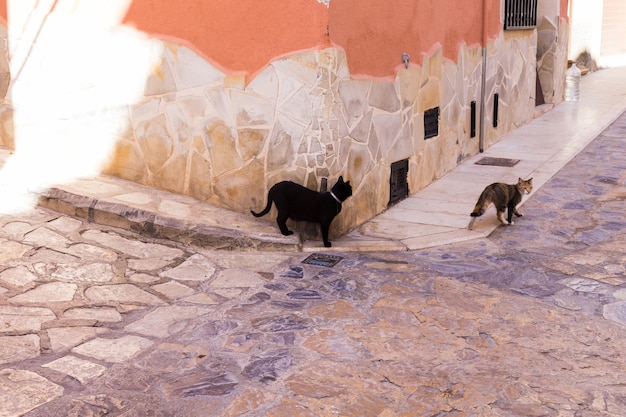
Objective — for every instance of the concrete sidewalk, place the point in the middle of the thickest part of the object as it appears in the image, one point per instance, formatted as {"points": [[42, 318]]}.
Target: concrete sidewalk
{"points": [[436, 215]]}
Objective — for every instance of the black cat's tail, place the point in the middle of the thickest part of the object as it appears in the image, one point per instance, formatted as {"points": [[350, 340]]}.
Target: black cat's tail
{"points": [[266, 209]]}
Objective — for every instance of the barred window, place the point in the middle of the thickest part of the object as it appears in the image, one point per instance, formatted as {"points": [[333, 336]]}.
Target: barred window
{"points": [[431, 123], [520, 14]]}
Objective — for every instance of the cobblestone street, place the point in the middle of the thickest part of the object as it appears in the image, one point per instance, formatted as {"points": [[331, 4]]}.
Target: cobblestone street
{"points": [[530, 321]]}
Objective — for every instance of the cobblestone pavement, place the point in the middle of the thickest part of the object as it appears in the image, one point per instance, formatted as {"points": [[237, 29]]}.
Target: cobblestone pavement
{"points": [[531, 321]]}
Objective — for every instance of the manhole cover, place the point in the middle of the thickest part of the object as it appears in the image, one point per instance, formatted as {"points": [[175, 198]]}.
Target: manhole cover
{"points": [[498, 162], [321, 259]]}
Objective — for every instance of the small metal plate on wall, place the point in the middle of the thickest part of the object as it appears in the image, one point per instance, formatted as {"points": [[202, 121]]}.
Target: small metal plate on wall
{"points": [[498, 162]]}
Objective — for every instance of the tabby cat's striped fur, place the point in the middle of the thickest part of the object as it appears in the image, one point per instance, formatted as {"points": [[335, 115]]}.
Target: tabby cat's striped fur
{"points": [[503, 196]]}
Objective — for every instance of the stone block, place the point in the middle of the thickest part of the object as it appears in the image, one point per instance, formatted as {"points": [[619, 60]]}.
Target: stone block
{"points": [[250, 141], [429, 95], [239, 189], [250, 110], [188, 69], [114, 350], [160, 80], [65, 338], [353, 94], [23, 319], [384, 96], [22, 391], [409, 84], [171, 176], [82, 370], [199, 182]]}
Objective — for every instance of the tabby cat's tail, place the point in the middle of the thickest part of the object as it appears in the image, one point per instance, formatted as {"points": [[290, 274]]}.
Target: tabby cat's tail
{"points": [[265, 210], [480, 207]]}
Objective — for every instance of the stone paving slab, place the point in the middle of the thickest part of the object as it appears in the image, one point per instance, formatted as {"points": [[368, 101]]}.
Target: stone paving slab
{"points": [[527, 321], [23, 391]]}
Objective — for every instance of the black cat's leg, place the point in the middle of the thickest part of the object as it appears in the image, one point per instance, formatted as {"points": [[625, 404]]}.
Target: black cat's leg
{"points": [[281, 220], [325, 226]]}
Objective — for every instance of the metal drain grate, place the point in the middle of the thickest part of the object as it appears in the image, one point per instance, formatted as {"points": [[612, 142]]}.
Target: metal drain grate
{"points": [[321, 259], [498, 162]]}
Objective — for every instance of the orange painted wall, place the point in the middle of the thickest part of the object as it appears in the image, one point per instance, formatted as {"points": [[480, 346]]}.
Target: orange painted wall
{"points": [[243, 36], [565, 4], [375, 33], [240, 36]]}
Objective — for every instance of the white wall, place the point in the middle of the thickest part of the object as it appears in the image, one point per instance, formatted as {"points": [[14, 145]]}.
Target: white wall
{"points": [[550, 9], [586, 33], [586, 24]]}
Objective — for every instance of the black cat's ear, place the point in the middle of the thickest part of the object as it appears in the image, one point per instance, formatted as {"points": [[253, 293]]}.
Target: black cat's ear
{"points": [[340, 178]]}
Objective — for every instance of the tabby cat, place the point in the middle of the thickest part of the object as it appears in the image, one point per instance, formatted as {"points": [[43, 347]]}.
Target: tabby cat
{"points": [[503, 196], [299, 203]]}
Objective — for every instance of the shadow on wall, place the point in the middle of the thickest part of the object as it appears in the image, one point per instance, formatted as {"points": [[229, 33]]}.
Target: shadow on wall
{"points": [[74, 72]]}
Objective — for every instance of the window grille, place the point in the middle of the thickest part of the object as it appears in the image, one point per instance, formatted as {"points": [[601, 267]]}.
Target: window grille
{"points": [[398, 181], [473, 119], [520, 14], [431, 123], [496, 102]]}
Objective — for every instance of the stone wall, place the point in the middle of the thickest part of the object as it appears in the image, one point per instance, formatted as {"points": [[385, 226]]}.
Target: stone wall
{"points": [[552, 40], [203, 133], [303, 118], [6, 112]]}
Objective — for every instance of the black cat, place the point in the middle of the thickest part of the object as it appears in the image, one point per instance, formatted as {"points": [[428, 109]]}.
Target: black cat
{"points": [[299, 203]]}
